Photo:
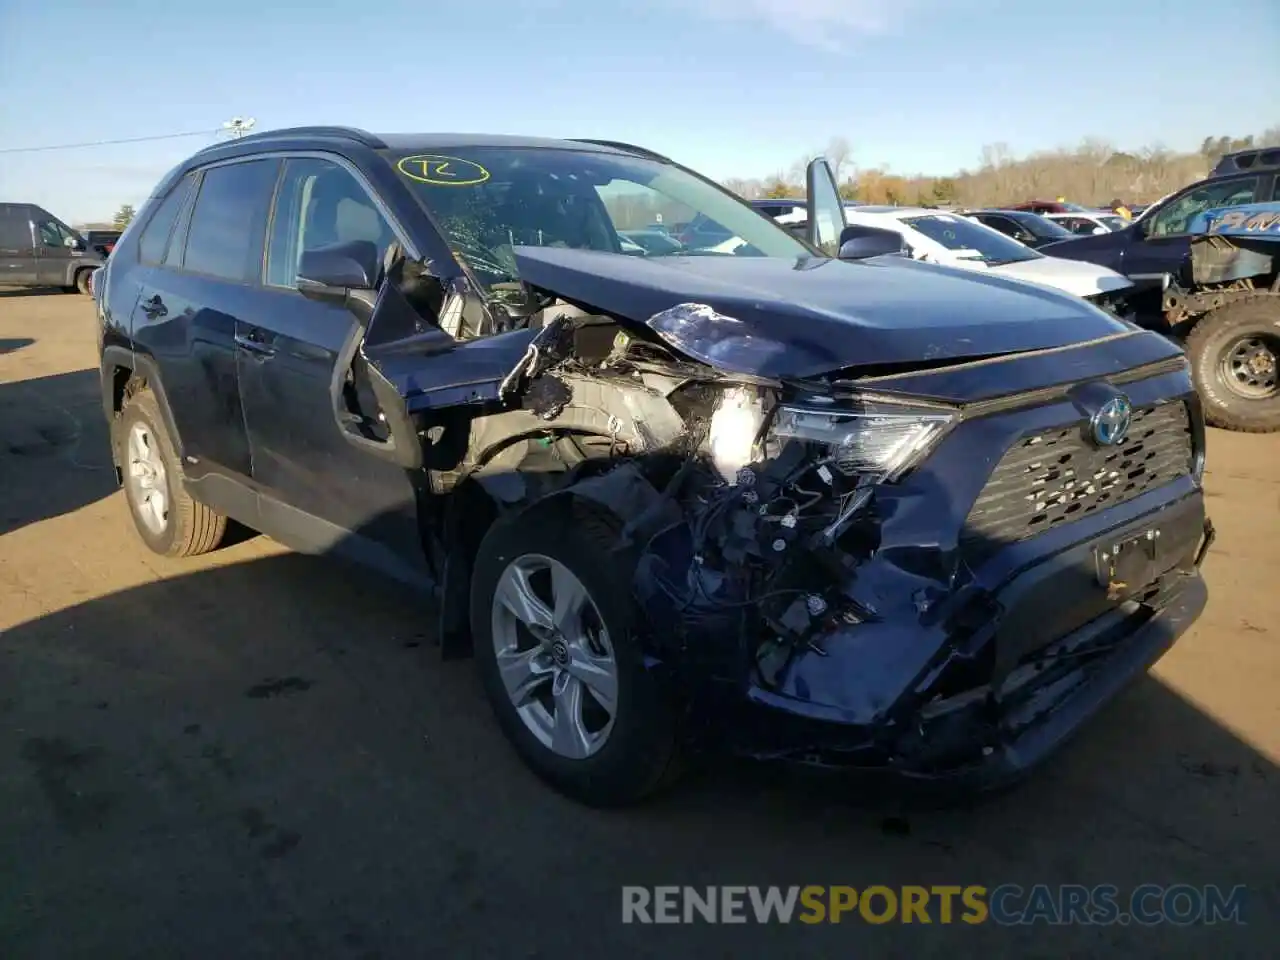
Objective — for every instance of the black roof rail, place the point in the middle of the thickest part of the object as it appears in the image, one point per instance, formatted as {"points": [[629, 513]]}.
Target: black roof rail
{"points": [[362, 137], [620, 145], [1255, 158]]}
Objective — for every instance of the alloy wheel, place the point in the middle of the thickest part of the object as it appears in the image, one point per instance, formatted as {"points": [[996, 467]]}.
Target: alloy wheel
{"points": [[147, 478], [554, 656]]}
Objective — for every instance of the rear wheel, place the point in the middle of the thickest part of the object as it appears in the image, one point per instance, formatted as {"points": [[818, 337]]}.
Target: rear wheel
{"points": [[552, 619], [168, 520], [1235, 360]]}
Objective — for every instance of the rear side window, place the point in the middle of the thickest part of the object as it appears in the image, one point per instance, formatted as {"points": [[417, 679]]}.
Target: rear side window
{"points": [[229, 220], [155, 236], [15, 231]]}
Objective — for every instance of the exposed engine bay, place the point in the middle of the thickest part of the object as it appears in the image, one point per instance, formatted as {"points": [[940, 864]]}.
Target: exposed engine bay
{"points": [[746, 506]]}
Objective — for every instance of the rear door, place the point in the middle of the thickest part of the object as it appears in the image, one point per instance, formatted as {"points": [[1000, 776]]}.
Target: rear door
{"points": [[188, 309], [17, 250]]}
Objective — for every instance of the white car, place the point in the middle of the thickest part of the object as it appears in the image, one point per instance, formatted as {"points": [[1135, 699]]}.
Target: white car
{"points": [[952, 240], [1089, 224]]}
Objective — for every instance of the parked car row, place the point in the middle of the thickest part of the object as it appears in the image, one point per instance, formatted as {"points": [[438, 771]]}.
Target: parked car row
{"points": [[969, 241]]}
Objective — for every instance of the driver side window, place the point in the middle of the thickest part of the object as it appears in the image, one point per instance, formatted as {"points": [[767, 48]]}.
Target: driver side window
{"points": [[52, 235], [318, 204], [1174, 219]]}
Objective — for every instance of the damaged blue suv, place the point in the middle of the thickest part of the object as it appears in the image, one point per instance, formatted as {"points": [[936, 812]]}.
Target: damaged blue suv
{"points": [[798, 497]]}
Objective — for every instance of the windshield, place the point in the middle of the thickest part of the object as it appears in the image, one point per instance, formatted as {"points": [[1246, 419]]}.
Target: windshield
{"points": [[487, 200], [972, 240]]}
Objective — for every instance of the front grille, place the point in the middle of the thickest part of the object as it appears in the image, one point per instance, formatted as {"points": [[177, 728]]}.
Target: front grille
{"points": [[1051, 478]]}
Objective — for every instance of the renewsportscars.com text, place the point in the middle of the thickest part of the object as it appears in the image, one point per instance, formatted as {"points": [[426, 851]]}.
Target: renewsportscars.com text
{"points": [[1005, 905]]}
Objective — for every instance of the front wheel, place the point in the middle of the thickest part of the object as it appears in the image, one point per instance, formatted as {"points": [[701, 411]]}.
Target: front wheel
{"points": [[1235, 362], [552, 618]]}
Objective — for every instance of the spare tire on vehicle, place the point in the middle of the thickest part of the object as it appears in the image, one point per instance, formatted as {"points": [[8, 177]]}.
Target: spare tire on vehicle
{"points": [[1235, 362]]}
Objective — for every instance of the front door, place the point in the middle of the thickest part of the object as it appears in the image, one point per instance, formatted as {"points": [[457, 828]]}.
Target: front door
{"points": [[55, 248], [324, 487]]}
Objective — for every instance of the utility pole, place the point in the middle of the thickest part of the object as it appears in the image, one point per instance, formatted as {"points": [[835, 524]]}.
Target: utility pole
{"points": [[237, 127]]}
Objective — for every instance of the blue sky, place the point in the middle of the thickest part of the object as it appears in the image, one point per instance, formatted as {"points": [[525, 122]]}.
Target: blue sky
{"points": [[732, 87]]}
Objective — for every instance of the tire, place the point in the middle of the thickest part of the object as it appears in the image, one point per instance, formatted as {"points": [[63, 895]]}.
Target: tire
{"points": [[82, 282], [640, 751], [188, 527], [1210, 346]]}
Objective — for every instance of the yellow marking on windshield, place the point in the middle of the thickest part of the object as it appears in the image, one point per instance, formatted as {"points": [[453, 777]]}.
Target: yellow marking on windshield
{"points": [[443, 171]]}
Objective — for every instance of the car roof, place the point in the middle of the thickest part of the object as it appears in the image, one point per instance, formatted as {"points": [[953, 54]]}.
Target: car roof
{"points": [[898, 213], [1244, 161], [330, 137], [402, 142]]}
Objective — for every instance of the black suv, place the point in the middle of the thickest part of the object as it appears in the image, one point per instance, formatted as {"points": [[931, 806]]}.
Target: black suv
{"points": [[800, 498], [39, 250]]}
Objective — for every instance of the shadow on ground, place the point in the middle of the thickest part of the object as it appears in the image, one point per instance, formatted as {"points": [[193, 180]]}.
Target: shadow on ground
{"points": [[15, 292], [55, 455], [11, 345], [268, 759]]}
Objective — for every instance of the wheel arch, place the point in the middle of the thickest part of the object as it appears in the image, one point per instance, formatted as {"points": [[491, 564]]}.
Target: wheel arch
{"points": [[125, 372], [490, 490]]}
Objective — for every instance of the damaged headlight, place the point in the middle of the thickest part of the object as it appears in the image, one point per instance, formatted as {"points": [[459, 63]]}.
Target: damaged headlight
{"points": [[876, 443]]}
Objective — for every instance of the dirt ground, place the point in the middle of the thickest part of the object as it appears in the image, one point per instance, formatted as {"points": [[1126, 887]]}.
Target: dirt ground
{"points": [[258, 754]]}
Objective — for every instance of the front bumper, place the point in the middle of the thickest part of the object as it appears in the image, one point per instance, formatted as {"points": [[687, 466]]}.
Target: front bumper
{"points": [[999, 696]]}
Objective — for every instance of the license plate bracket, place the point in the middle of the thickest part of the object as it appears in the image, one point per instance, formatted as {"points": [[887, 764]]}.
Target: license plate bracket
{"points": [[1124, 566]]}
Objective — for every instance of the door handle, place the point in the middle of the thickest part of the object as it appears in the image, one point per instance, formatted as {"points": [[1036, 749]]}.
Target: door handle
{"points": [[253, 343]]}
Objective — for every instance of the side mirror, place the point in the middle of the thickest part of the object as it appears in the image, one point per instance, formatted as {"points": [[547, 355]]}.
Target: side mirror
{"points": [[329, 273], [859, 243], [1099, 231], [71, 243]]}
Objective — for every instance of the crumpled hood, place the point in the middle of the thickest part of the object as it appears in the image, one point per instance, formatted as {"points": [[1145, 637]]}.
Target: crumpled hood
{"points": [[782, 318]]}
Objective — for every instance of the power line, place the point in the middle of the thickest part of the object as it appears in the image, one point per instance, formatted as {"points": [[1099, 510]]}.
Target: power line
{"points": [[107, 143]]}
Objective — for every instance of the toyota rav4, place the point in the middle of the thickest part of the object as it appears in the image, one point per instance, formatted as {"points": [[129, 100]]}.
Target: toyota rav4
{"points": [[799, 497]]}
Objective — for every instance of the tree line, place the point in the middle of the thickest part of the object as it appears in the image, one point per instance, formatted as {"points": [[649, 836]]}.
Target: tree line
{"points": [[1095, 173]]}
